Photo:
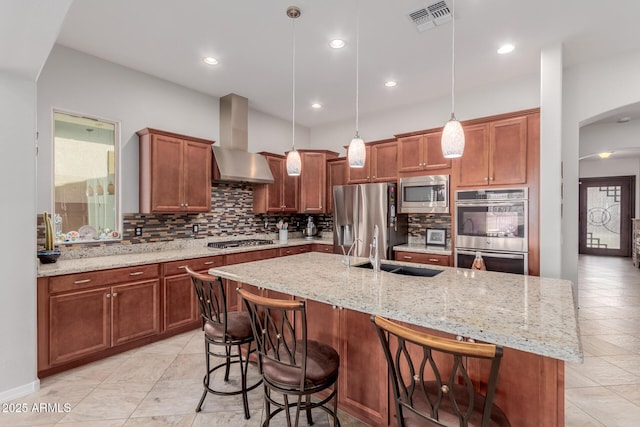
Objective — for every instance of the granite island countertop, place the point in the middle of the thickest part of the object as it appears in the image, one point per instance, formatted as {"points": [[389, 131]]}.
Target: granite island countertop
{"points": [[528, 313], [132, 255]]}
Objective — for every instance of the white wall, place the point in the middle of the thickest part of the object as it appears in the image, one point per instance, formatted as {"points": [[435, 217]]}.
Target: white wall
{"points": [[596, 167], [589, 91], [18, 261], [81, 83], [505, 97], [609, 137]]}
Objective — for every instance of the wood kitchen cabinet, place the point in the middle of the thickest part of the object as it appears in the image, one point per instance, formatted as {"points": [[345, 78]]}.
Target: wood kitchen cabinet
{"points": [[380, 164], [294, 250], [82, 314], [418, 153], [336, 175], [180, 305], [283, 195], [233, 302], [423, 258], [175, 173], [495, 153], [313, 180]]}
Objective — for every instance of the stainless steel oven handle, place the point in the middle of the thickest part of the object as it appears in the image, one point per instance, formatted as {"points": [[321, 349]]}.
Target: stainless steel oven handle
{"points": [[489, 204], [493, 254]]}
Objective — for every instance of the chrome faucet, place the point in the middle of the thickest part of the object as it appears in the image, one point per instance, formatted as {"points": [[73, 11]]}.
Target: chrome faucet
{"points": [[346, 260], [374, 251]]}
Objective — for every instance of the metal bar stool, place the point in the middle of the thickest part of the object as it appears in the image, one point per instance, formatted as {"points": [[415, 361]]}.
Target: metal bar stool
{"points": [[291, 364], [223, 329], [431, 384]]}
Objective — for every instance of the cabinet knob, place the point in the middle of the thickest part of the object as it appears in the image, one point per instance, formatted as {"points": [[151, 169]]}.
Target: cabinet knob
{"points": [[407, 257], [433, 259], [108, 295], [491, 179], [136, 273], [186, 205], [115, 294], [486, 178], [79, 282]]}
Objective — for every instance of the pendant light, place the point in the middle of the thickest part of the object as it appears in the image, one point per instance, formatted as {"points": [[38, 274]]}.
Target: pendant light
{"points": [[452, 142], [357, 153], [294, 163]]}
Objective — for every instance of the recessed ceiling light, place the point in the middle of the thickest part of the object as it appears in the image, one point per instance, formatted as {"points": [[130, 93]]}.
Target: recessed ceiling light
{"points": [[316, 105], [625, 119], [337, 44], [210, 60], [605, 155], [506, 48], [390, 83]]}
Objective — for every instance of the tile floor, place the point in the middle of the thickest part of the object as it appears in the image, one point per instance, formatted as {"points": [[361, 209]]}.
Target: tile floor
{"points": [[160, 384]]}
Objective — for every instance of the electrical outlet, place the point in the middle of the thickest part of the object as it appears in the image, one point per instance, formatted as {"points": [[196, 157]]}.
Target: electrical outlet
{"points": [[138, 231], [194, 227]]}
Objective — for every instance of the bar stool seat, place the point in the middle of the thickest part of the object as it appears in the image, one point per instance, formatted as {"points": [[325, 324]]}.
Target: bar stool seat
{"points": [[238, 327]]}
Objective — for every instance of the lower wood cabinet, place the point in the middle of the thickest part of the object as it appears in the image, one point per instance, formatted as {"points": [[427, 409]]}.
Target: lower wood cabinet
{"points": [[294, 250], [422, 258], [82, 314], [180, 306]]}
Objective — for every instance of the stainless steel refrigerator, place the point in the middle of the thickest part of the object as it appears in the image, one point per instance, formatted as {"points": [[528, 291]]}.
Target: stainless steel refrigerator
{"points": [[358, 208]]}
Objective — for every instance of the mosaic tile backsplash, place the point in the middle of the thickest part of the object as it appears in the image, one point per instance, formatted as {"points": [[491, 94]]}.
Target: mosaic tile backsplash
{"points": [[418, 224], [231, 215]]}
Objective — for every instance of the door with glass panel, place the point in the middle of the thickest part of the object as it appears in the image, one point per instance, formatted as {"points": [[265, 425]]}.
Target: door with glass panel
{"points": [[606, 207]]}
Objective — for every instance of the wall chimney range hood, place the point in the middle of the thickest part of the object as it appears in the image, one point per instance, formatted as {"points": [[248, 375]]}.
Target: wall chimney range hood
{"points": [[232, 157]]}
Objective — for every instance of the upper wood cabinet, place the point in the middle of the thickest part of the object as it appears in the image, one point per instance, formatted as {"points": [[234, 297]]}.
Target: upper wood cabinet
{"points": [[281, 196], [495, 153], [380, 164], [175, 172], [336, 175], [313, 180], [418, 153]]}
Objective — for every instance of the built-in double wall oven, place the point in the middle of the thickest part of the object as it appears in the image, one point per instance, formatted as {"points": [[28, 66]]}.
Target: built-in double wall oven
{"points": [[494, 223]]}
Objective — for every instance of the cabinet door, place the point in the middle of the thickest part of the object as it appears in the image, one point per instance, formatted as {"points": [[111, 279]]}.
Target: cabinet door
{"points": [[197, 177], [508, 148], [135, 311], [180, 304], [336, 175], [433, 158], [313, 182], [274, 191], [360, 175], [167, 174], [290, 192], [384, 162], [79, 324], [410, 154], [364, 387], [473, 166]]}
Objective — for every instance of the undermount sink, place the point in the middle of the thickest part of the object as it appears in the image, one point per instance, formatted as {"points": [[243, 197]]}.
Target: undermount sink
{"points": [[404, 269]]}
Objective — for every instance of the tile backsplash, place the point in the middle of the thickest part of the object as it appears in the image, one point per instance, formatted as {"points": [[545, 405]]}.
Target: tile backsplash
{"points": [[418, 224], [231, 215]]}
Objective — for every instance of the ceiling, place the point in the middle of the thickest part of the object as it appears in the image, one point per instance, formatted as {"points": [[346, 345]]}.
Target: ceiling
{"points": [[252, 39]]}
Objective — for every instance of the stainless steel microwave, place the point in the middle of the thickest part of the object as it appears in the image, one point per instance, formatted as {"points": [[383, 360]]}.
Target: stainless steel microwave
{"points": [[424, 194]]}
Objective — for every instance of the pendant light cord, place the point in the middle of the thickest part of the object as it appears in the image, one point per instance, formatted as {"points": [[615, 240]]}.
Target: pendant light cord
{"points": [[453, 56], [293, 91], [357, 66]]}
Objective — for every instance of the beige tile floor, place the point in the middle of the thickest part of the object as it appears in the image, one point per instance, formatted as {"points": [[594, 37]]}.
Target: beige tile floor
{"points": [[160, 384], [605, 390]]}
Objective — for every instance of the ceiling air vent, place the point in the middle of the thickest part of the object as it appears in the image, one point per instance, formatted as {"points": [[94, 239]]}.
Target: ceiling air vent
{"points": [[431, 16]]}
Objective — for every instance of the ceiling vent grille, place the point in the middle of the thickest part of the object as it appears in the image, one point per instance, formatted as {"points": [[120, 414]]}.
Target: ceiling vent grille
{"points": [[430, 16]]}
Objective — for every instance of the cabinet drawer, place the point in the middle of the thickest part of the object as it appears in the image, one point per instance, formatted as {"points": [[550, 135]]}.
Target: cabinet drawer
{"points": [[89, 279], [422, 258], [251, 256], [196, 264], [294, 250], [317, 247]]}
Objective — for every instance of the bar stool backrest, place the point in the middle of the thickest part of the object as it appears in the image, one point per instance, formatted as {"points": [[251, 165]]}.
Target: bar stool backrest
{"points": [[280, 331], [211, 298], [430, 376]]}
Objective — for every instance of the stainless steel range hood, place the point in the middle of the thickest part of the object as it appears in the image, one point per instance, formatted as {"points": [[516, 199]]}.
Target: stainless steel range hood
{"points": [[232, 157]]}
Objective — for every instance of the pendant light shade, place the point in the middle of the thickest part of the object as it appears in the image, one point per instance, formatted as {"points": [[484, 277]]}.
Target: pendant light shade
{"points": [[452, 141], [357, 154], [294, 163]]}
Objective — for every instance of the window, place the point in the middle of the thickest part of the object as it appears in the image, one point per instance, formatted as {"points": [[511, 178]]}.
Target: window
{"points": [[86, 184]]}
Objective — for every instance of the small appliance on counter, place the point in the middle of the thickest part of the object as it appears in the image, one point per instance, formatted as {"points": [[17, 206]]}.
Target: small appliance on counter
{"points": [[310, 231]]}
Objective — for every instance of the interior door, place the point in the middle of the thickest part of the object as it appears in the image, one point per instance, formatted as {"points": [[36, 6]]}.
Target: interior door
{"points": [[606, 208]]}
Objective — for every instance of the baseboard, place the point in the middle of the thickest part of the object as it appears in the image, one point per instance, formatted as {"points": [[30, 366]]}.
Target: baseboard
{"points": [[20, 391]]}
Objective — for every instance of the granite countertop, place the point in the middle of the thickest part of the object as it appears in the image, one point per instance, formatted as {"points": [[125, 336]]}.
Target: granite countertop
{"points": [[527, 313], [424, 249], [132, 255]]}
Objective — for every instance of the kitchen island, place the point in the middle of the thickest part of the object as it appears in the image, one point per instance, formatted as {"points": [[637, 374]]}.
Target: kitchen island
{"points": [[533, 318]]}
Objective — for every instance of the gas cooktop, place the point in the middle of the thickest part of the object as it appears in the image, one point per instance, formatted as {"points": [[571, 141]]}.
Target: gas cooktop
{"points": [[237, 243]]}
